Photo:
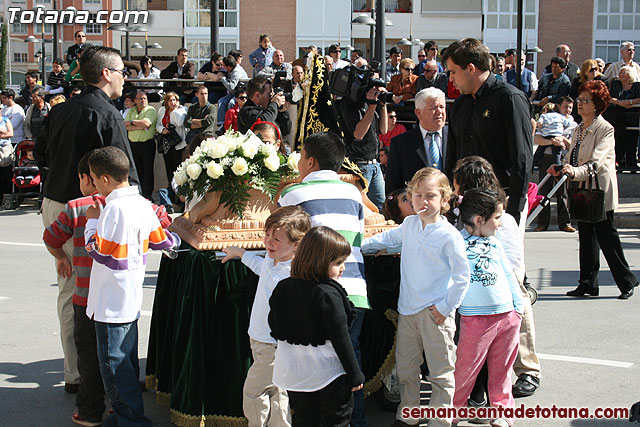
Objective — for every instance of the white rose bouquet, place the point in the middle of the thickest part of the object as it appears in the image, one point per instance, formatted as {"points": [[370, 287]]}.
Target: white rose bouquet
{"points": [[232, 164]]}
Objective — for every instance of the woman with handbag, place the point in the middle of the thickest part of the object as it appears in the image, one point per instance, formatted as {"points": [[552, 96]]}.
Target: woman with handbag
{"points": [[170, 124], [592, 157]]}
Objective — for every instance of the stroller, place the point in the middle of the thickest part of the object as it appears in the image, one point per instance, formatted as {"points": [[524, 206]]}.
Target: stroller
{"points": [[26, 177]]}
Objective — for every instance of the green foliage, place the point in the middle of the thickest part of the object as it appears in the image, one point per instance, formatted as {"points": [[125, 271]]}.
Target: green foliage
{"points": [[4, 45]]}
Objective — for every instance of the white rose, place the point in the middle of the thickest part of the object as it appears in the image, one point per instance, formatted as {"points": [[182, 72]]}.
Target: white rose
{"points": [[194, 170], [253, 138], [250, 149], [214, 170], [293, 160], [205, 146], [229, 141], [217, 150], [180, 176], [272, 163], [240, 166], [268, 149]]}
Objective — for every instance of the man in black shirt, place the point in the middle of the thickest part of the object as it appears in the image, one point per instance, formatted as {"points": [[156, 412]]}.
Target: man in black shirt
{"points": [[72, 53], [361, 125], [73, 128], [262, 104], [201, 116], [30, 80], [491, 119]]}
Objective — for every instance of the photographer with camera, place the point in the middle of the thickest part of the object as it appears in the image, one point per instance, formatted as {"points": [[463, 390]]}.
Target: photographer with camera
{"points": [[262, 104], [361, 122]]}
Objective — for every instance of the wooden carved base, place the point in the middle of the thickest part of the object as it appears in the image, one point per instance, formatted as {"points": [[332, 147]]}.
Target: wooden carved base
{"points": [[211, 227]]}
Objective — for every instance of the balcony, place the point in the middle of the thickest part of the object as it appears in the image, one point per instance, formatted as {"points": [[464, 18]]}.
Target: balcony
{"points": [[391, 6]]}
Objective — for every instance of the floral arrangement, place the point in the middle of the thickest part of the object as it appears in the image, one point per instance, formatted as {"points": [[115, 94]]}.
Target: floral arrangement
{"points": [[232, 164]]}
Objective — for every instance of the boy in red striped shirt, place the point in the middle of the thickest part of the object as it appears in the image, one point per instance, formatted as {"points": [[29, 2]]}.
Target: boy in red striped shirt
{"points": [[70, 224]]}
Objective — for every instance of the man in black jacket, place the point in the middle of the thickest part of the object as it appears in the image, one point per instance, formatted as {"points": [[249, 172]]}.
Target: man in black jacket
{"points": [[72, 53], [491, 119], [181, 68], [83, 123], [262, 104]]}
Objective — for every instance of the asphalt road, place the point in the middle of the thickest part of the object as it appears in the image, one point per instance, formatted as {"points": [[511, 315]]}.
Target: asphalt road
{"points": [[588, 347]]}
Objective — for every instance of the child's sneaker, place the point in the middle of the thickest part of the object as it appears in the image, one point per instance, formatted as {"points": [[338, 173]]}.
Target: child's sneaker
{"points": [[79, 420]]}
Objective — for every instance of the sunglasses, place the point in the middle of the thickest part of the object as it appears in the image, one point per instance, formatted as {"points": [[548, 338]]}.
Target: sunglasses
{"points": [[393, 117], [434, 48], [422, 56], [593, 69], [408, 69], [123, 71], [243, 98]]}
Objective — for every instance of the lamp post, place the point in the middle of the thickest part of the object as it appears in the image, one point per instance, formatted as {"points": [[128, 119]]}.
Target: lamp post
{"points": [[146, 46], [32, 39], [365, 19], [128, 29]]}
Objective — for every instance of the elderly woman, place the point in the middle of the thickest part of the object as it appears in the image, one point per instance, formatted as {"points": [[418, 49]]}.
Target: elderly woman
{"points": [[593, 141], [403, 85], [625, 93], [171, 119], [589, 71]]}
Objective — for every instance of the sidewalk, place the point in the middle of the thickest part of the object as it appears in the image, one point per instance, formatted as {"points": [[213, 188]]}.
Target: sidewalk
{"points": [[628, 213]]}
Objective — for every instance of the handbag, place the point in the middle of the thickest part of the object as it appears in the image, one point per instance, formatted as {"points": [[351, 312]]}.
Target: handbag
{"points": [[164, 142], [586, 203], [7, 157]]}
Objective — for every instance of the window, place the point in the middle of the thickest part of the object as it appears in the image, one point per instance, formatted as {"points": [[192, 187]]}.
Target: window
{"points": [[198, 13], [99, 2], [228, 16], [45, 2], [199, 53], [609, 50], [48, 29], [618, 15], [19, 28], [503, 14], [93, 28], [225, 48], [20, 57]]}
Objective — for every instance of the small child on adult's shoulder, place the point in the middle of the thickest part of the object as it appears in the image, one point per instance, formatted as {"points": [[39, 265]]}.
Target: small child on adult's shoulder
{"points": [[492, 308], [70, 225], [397, 206], [263, 402], [434, 275], [118, 238], [310, 316], [550, 125]]}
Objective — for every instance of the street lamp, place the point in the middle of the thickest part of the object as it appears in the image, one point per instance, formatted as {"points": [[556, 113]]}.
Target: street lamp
{"points": [[128, 29], [146, 46], [365, 19], [32, 39]]}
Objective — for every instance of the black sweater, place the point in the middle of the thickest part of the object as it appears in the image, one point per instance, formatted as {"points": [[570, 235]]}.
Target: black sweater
{"points": [[308, 313]]}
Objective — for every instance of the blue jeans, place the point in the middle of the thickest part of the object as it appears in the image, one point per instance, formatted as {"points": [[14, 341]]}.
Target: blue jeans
{"points": [[118, 359], [224, 104], [358, 417], [373, 174]]}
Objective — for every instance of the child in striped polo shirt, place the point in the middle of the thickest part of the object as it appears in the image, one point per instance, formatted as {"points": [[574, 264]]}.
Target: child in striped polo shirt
{"points": [[336, 204], [70, 224]]}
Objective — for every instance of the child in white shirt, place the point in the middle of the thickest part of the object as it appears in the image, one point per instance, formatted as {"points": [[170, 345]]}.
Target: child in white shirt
{"points": [[263, 402], [434, 279]]}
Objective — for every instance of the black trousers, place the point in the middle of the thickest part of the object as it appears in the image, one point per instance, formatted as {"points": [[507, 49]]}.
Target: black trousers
{"points": [[544, 217], [329, 406], [143, 156], [603, 235], [90, 398], [172, 160], [626, 145]]}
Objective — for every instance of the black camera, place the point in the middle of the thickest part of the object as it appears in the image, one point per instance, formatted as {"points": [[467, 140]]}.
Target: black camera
{"points": [[353, 83], [279, 81]]}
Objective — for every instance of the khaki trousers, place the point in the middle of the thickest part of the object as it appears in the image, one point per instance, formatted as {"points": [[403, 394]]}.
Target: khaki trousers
{"points": [[263, 403], [50, 211], [418, 332]]}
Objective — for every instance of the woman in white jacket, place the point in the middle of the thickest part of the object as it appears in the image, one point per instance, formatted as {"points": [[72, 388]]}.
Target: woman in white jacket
{"points": [[171, 113]]}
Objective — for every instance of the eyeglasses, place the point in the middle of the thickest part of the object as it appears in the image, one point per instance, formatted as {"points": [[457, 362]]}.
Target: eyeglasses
{"points": [[631, 50], [393, 117], [584, 101], [422, 56], [81, 36], [123, 71], [430, 71], [593, 69], [434, 49], [408, 69], [243, 98]]}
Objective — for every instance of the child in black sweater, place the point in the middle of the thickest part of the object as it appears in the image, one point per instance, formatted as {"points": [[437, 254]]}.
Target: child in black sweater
{"points": [[310, 316]]}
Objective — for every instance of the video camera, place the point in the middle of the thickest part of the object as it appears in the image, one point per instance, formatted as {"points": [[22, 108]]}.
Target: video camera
{"points": [[279, 80], [353, 83]]}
